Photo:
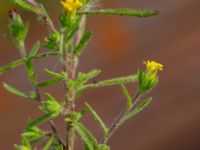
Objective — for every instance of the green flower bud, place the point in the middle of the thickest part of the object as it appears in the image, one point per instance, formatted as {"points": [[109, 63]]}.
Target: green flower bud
{"points": [[52, 42], [17, 27], [33, 134], [51, 105]]}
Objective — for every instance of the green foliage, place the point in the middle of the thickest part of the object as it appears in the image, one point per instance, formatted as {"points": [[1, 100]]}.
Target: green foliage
{"points": [[51, 105], [55, 74], [83, 43], [104, 147], [69, 23], [33, 134], [52, 42], [11, 66], [82, 79], [44, 118], [67, 43], [121, 12], [18, 62], [128, 97], [18, 28], [75, 117], [27, 6], [24, 146], [49, 143], [30, 71], [136, 110], [111, 82], [57, 77], [97, 118], [59, 147], [146, 81], [34, 49], [17, 92], [87, 137], [50, 82]]}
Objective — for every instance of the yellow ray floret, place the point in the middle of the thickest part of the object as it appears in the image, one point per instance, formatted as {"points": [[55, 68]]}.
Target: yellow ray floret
{"points": [[153, 67], [71, 6]]}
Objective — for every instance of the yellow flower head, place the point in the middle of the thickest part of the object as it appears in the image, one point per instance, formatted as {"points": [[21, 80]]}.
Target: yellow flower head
{"points": [[153, 67], [71, 6]]}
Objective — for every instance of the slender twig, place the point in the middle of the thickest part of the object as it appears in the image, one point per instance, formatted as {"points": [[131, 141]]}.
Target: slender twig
{"points": [[117, 122], [111, 82], [50, 122], [55, 131], [39, 99], [70, 68]]}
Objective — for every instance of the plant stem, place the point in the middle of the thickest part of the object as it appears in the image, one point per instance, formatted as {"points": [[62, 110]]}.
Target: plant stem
{"points": [[111, 82], [70, 68], [117, 122], [39, 98], [55, 131], [70, 95], [50, 122]]}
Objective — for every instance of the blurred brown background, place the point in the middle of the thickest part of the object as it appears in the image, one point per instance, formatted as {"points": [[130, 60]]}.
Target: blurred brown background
{"points": [[118, 47]]}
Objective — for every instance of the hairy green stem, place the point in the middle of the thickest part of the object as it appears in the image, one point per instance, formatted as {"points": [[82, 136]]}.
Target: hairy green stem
{"points": [[71, 66], [22, 50], [121, 12], [70, 69], [111, 82]]}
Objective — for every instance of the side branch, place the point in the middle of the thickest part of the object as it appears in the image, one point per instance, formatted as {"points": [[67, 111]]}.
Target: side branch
{"points": [[117, 122]]}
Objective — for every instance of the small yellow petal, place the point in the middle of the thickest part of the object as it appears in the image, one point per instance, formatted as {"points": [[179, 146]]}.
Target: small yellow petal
{"points": [[153, 67], [71, 6]]}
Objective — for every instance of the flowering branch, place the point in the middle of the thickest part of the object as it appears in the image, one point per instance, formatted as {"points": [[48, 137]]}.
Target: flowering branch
{"points": [[67, 44]]}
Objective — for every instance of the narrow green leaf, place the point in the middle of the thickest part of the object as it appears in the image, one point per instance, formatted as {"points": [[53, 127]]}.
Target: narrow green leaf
{"points": [[75, 117], [128, 97], [40, 120], [51, 105], [104, 147], [43, 55], [21, 61], [73, 28], [136, 110], [60, 147], [54, 74], [30, 71], [45, 13], [97, 118], [35, 49], [49, 143], [111, 82], [121, 12], [49, 82], [56, 78], [15, 91], [33, 134], [83, 43], [25, 144], [11, 66], [84, 77], [87, 137], [27, 6]]}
